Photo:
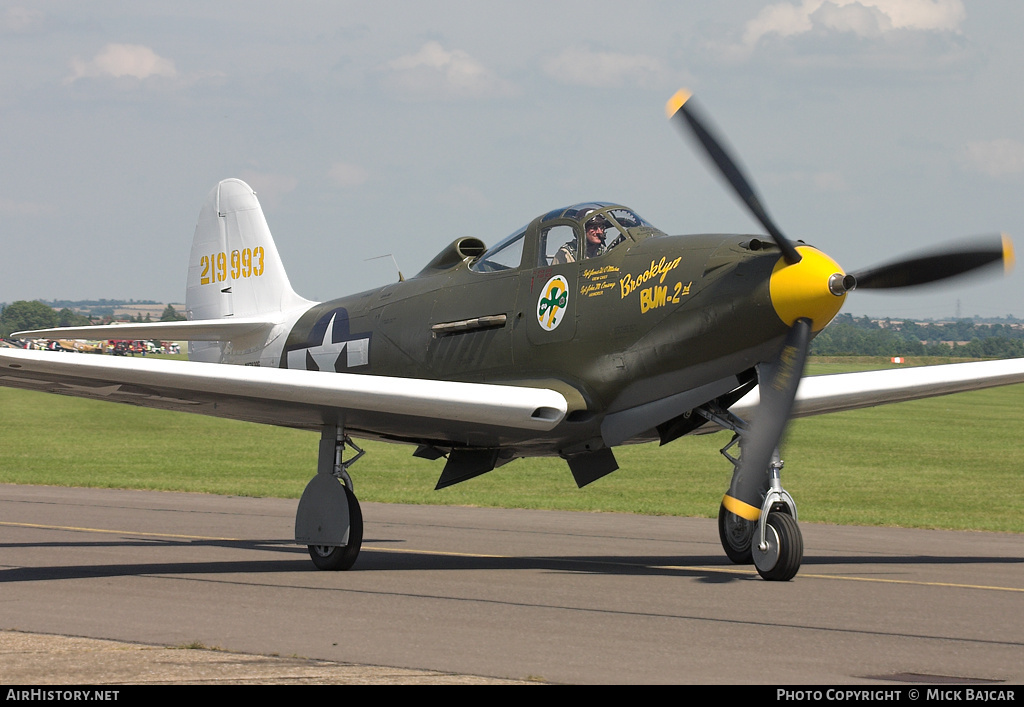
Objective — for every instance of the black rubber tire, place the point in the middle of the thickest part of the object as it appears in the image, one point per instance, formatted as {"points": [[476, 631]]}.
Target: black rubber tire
{"points": [[791, 548], [736, 535], [333, 557]]}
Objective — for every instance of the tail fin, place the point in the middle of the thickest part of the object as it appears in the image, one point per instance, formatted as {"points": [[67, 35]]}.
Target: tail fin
{"points": [[238, 297], [234, 268]]}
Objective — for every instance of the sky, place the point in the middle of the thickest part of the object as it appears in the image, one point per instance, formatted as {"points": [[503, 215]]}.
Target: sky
{"points": [[872, 130]]}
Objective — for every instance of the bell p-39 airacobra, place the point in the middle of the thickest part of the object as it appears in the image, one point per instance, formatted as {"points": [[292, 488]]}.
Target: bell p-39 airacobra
{"points": [[586, 329]]}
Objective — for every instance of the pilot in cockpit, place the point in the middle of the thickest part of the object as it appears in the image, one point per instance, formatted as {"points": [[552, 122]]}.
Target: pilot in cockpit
{"points": [[595, 236]]}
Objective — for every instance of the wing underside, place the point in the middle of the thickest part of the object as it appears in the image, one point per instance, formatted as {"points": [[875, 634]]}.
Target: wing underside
{"points": [[472, 414]]}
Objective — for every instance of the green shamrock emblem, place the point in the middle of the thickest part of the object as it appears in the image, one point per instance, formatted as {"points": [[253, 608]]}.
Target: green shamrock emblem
{"points": [[555, 300]]}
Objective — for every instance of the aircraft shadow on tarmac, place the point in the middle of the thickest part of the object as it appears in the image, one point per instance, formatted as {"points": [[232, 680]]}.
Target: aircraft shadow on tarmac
{"points": [[710, 569]]}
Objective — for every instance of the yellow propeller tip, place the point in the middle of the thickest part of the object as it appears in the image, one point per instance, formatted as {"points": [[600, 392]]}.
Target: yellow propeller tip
{"points": [[676, 102], [1008, 257]]}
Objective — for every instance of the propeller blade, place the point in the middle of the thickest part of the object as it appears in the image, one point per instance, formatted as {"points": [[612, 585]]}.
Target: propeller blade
{"points": [[762, 438], [940, 264], [681, 109]]}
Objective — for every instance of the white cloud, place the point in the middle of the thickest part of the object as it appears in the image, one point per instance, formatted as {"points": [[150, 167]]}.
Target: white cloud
{"points": [[347, 175], [864, 18], [924, 15], [589, 68], [123, 60], [853, 18], [20, 19], [434, 70], [782, 19], [996, 158]]}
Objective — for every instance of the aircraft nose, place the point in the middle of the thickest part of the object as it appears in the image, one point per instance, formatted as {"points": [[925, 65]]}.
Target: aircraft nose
{"points": [[814, 288]]}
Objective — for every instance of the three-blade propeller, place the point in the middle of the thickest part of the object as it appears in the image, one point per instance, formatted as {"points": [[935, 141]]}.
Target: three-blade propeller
{"points": [[778, 389]]}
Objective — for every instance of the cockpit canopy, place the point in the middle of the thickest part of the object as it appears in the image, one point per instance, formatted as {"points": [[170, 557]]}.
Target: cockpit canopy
{"points": [[568, 234], [625, 217]]}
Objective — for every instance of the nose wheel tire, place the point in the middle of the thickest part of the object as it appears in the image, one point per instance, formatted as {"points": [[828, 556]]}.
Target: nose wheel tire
{"points": [[780, 560], [334, 557], [736, 535]]}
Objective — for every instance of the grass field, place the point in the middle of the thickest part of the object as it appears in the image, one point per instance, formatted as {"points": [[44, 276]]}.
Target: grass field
{"points": [[954, 462]]}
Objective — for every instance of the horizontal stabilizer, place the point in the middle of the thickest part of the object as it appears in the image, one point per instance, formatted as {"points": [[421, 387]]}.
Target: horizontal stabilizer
{"points": [[204, 330]]}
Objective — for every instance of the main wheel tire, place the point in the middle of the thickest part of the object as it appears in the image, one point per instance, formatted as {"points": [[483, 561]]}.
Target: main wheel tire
{"points": [[736, 535], [334, 557], [785, 547]]}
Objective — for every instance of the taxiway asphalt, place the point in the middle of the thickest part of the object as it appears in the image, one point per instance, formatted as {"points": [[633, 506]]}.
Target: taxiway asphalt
{"points": [[536, 596]]}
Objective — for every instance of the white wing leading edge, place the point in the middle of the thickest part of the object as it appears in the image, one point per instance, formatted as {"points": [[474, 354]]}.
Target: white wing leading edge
{"points": [[473, 414], [849, 391], [389, 407]]}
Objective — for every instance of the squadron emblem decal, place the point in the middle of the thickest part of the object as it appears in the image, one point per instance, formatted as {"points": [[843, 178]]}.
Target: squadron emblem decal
{"points": [[554, 298]]}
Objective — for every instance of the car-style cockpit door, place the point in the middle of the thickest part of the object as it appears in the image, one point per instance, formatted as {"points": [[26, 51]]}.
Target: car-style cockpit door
{"points": [[548, 291]]}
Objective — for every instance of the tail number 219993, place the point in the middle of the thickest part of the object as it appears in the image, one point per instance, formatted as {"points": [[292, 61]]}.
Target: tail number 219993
{"points": [[244, 263]]}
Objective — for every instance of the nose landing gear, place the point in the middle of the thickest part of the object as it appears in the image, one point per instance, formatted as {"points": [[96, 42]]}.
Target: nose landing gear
{"points": [[767, 535]]}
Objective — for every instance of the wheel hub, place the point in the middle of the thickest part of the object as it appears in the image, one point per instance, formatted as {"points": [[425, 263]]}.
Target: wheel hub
{"points": [[766, 556]]}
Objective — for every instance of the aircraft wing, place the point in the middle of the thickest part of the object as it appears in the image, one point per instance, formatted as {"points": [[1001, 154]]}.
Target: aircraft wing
{"points": [[849, 391], [392, 408]]}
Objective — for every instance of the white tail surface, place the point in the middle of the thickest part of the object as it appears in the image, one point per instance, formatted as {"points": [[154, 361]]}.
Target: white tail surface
{"points": [[234, 269]]}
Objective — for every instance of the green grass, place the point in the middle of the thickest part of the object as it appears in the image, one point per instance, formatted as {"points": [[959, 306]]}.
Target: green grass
{"points": [[952, 462]]}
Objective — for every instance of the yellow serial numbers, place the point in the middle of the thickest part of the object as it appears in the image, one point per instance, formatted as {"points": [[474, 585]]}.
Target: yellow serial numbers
{"points": [[244, 263]]}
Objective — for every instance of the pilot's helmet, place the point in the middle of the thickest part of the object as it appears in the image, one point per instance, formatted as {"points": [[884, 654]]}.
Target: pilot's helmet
{"points": [[597, 221]]}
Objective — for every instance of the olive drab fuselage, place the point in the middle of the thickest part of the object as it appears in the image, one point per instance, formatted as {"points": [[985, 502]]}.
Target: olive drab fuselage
{"points": [[650, 317]]}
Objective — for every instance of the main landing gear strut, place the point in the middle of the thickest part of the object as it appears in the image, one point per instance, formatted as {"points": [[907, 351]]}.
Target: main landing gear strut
{"points": [[329, 521], [768, 537]]}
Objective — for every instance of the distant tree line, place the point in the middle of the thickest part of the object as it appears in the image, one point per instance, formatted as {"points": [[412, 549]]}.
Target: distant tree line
{"points": [[21, 315], [24, 315], [96, 309], [847, 336], [96, 302]]}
